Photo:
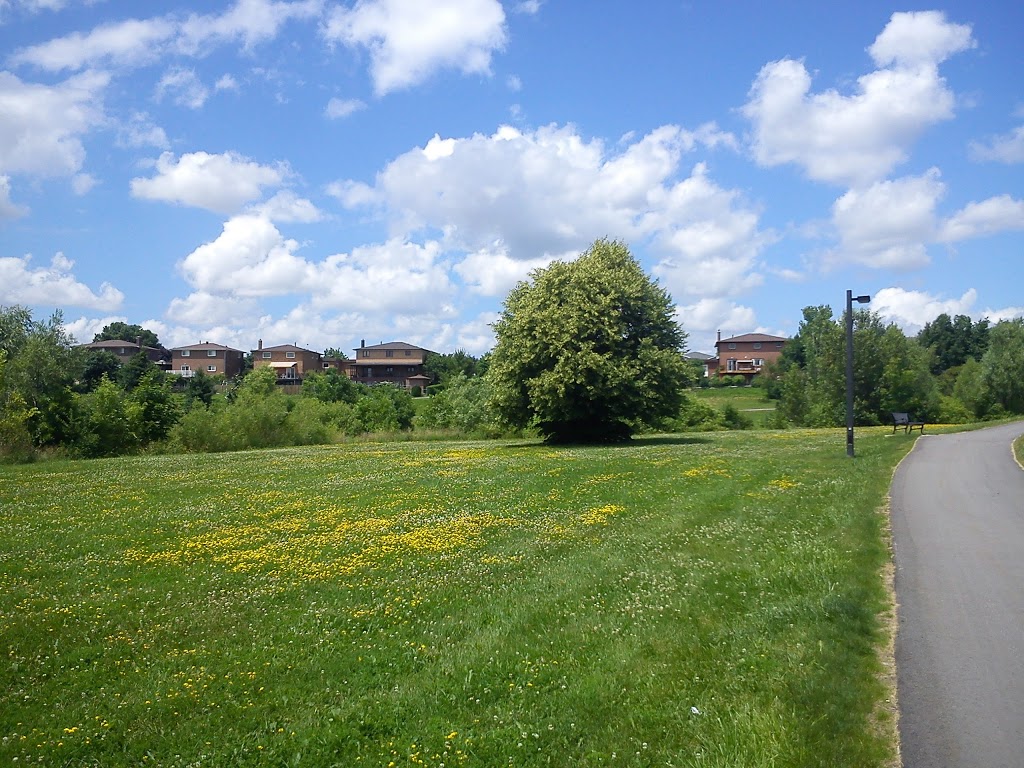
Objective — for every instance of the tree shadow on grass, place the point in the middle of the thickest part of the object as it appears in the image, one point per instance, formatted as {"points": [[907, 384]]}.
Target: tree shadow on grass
{"points": [[636, 442]]}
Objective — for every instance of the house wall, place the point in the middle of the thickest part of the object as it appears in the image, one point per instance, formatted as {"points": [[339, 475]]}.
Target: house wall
{"points": [[212, 362], [388, 366], [304, 360], [744, 358]]}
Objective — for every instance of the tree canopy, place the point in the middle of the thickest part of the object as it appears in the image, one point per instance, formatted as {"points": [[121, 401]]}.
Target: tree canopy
{"points": [[119, 331], [589, 350]]}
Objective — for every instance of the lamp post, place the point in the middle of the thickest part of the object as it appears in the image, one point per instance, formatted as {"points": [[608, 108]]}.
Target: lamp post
{"points": [[850, 298]]}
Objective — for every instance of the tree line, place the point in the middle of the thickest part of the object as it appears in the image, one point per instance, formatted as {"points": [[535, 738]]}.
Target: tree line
{"points": [[586, 351]]}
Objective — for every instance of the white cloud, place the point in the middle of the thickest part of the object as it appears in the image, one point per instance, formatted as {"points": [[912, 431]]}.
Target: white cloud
{"points": [[220, 183], [140, 131], [858, 139], [81, 183], [494, 273], [8, 209], [1008, 148], [125, 43], [202, 309], [911, 310], [706, 317], [996, 214], [339, 108], [541, 193], [286, 206], [409, 40], [52, 286], [1006, 313], [249, 21], [528, 6], [226, 83], [41, 126], [921, 38], [888, 224], [392, 277], [249, 258], [135, 42], [184, 88]]}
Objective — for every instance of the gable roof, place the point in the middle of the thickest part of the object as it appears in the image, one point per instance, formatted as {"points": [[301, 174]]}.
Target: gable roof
{"points": [[751, 337], [285, 348], [395, 345], [204, 345]]}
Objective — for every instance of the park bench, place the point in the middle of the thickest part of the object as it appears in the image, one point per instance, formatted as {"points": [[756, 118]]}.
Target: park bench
{"points": [[904, 420]]}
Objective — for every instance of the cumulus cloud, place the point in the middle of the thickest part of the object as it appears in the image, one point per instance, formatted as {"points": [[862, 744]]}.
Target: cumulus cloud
{"points": [[202, 309], [41, 126], [220, 183], [409, 40], [249, 258], [539, 194], [888, 224], [493, 272], [996, 214], [703, 319], [911, 310], [286, 206], [858, 138], [52, 286]]}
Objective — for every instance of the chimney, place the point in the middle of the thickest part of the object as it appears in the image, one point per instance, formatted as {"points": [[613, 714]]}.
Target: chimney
{"points": [[719, 335], [259, 344], [362, 343]]}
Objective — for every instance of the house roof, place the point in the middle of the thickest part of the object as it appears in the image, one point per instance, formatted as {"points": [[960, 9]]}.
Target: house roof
{"points": [[285, 348], [751, 337], [204, 345], [394, 345], [697, 356]]}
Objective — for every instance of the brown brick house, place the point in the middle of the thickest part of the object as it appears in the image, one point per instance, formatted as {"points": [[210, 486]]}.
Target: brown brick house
{"points": [[745, 355], [212, 359], [290, 363], [126, 350], [395, 363]]}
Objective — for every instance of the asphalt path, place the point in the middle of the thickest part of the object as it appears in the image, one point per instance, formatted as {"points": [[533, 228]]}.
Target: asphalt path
{"points": [[958, 535]]}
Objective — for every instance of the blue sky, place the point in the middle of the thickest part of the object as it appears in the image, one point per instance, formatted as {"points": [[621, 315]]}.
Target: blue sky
{"points": [[320, 172]]}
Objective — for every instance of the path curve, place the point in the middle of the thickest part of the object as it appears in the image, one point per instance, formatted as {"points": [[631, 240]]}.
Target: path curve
{"points": [[958, 535]]}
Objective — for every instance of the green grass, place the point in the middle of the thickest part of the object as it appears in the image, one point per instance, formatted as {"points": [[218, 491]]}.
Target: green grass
{"points": [[685, 601], [749, 400], [1018, 450]]}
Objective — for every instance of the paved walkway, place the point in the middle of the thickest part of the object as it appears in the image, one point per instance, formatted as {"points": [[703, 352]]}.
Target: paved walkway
{"points": [[958, 531]]}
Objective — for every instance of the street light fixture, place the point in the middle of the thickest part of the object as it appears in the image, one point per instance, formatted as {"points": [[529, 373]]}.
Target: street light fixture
{"points": [[850, 298]]}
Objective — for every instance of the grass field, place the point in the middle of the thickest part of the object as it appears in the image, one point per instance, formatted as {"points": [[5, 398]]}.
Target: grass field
{"points": [[749, 400], [712, 600]]}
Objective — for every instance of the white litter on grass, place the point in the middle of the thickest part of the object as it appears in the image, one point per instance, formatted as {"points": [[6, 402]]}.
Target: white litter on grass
{"points": [[695, 710]]}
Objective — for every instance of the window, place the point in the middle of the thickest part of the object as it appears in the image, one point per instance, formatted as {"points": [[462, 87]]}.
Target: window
{"points": [[289, 355], [186, 353], [389, 369], [211, 353], [267, 355], [732, 364], [211, 369], [389, 353], [778, 345], [732, 346], [185, 368], [326, 366], [758, 361], [411, 369], [757, 345], [408, 353]]}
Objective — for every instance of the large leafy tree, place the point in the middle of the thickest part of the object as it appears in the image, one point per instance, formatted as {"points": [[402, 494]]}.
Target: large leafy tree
{"points": [[954, 341], [443, 368], [589, 350], [119, 331], [1003, 365]]}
